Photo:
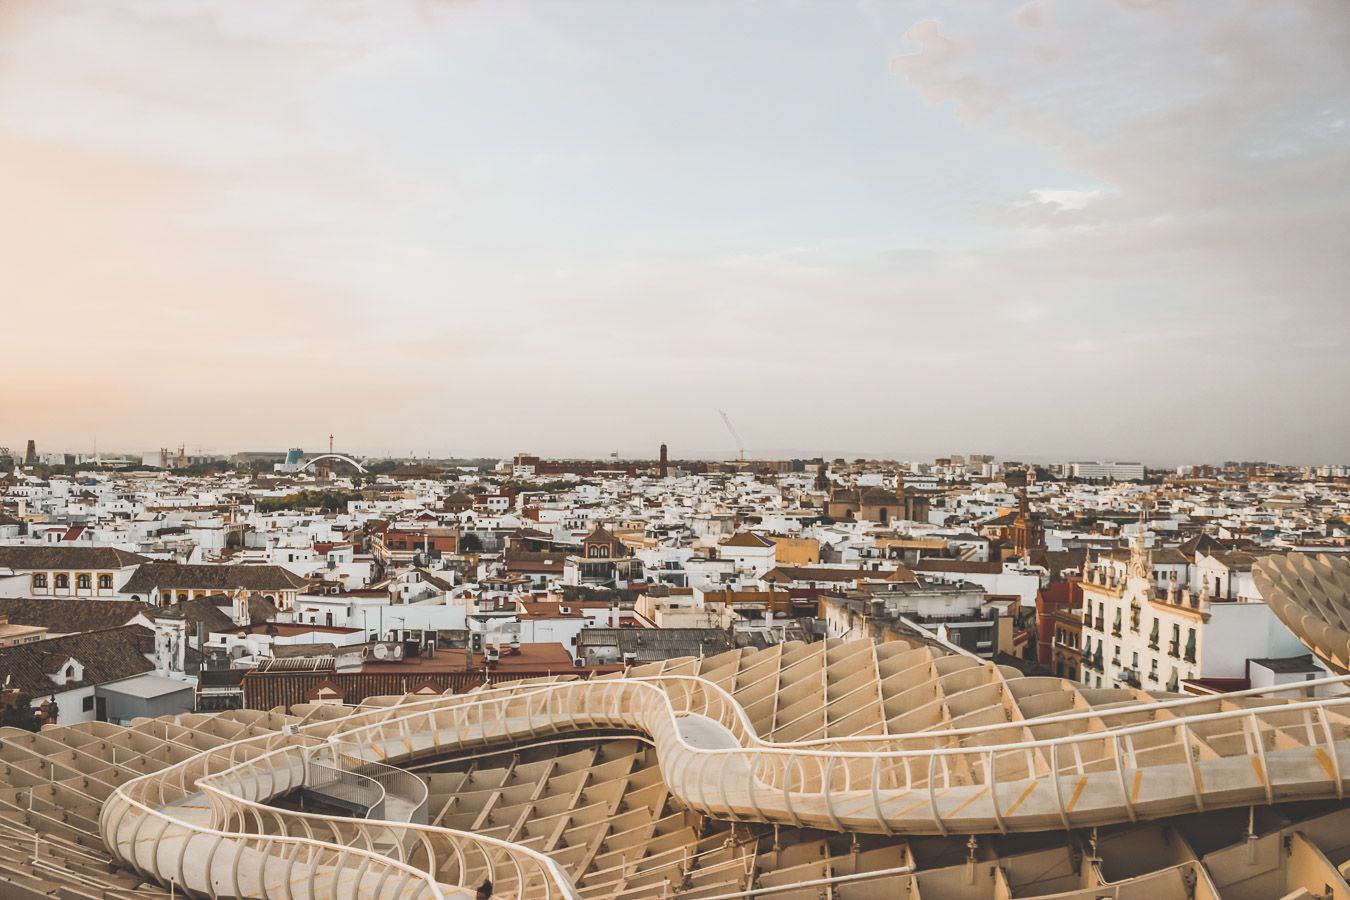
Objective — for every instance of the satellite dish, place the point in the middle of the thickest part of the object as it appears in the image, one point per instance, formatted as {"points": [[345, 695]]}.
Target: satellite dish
{"points": [[398, 651], [381, 651]]}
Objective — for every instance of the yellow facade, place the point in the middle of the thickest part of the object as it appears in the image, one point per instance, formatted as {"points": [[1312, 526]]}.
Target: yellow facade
{"points": [[795, 551]]}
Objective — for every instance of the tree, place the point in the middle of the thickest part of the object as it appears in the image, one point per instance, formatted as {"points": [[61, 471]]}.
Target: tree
{"points": [[470, 543], [326, 500], [19, 714]]}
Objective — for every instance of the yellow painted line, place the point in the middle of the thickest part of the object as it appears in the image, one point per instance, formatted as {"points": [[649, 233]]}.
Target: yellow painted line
{"points": [[1325, 762], [1256, 767], [1138, 782], [968, 802], [1077, 792], [1018, 802], [854, 804], [923, 802]]}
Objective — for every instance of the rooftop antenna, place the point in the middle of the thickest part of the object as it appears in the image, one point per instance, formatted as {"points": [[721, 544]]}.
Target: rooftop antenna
{"points": [[740, 444]]}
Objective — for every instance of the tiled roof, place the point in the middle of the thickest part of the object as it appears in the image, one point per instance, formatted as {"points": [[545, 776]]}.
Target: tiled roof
{"points": [[62, 615], [68, 558], [111, 654], [966, 566], [748, 539], [212, 578], [829, 573]]}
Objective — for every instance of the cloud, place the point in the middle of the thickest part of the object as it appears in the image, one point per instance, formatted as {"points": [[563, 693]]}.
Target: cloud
{"points": [[241, 223], [934, 68], [1223, 206], [1032, 14], [1065, 200]]}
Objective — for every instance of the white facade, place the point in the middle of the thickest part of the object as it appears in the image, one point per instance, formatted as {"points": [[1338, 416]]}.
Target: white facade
{"points": [[1109, 471], [1135, 636]]}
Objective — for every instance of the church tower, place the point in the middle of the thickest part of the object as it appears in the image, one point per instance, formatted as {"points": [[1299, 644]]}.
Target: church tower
{"points": [[1027, 533]]}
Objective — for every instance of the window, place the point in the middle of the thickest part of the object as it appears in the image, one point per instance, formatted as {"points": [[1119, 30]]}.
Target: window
{"points": [[182, 597], [40, 580], [63, 581], [82, 582], [105, 582], [88, 704]]}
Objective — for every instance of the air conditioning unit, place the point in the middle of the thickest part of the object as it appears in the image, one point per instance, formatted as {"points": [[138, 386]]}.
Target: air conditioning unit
{"points": [[579, 661]]}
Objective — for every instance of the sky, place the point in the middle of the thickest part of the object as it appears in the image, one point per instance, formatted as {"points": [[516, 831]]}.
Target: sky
{"points": [[1062, 229]]}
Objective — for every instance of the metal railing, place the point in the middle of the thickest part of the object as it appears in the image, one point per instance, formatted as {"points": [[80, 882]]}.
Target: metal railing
{"points": [[346, 787]]}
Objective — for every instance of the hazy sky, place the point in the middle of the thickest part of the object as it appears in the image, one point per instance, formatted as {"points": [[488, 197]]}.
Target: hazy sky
{"points": [[1071, 228]]}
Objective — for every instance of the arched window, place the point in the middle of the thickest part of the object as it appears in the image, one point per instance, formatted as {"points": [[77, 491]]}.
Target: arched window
{"points": [[82, 582], [63, 581], [40, 580], [105, 582], [182, 597]]}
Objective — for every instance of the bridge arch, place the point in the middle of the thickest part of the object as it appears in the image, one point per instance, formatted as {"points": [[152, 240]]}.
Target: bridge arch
{"points": [[338, 456]]}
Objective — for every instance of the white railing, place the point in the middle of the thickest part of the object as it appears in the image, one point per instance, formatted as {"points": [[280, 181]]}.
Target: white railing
{"points": [[928, 782]]}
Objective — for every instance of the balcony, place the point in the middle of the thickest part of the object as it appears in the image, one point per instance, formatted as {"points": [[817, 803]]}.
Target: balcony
{"points": [[1173, 649], [1153, 676], [1115, 630], [1100, 624], [1153, 643]]}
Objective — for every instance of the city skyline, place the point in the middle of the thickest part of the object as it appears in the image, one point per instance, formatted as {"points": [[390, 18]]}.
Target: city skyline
{"points": [[703, 454], [1107, 230]]}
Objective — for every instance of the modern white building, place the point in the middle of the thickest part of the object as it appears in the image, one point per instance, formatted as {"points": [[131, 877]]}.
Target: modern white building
{"points": [[1108, 471]]}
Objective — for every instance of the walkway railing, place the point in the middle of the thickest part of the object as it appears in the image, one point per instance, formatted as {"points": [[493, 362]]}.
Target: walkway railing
{"points": [[1177, 759], [346, 787]]}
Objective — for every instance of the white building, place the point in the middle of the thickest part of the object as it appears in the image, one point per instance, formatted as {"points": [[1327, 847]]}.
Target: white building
{"points": [[1137, 636], [1108, 471]]}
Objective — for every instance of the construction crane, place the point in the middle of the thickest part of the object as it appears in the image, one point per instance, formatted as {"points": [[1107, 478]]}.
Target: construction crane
{"points": [[740, 444]]}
